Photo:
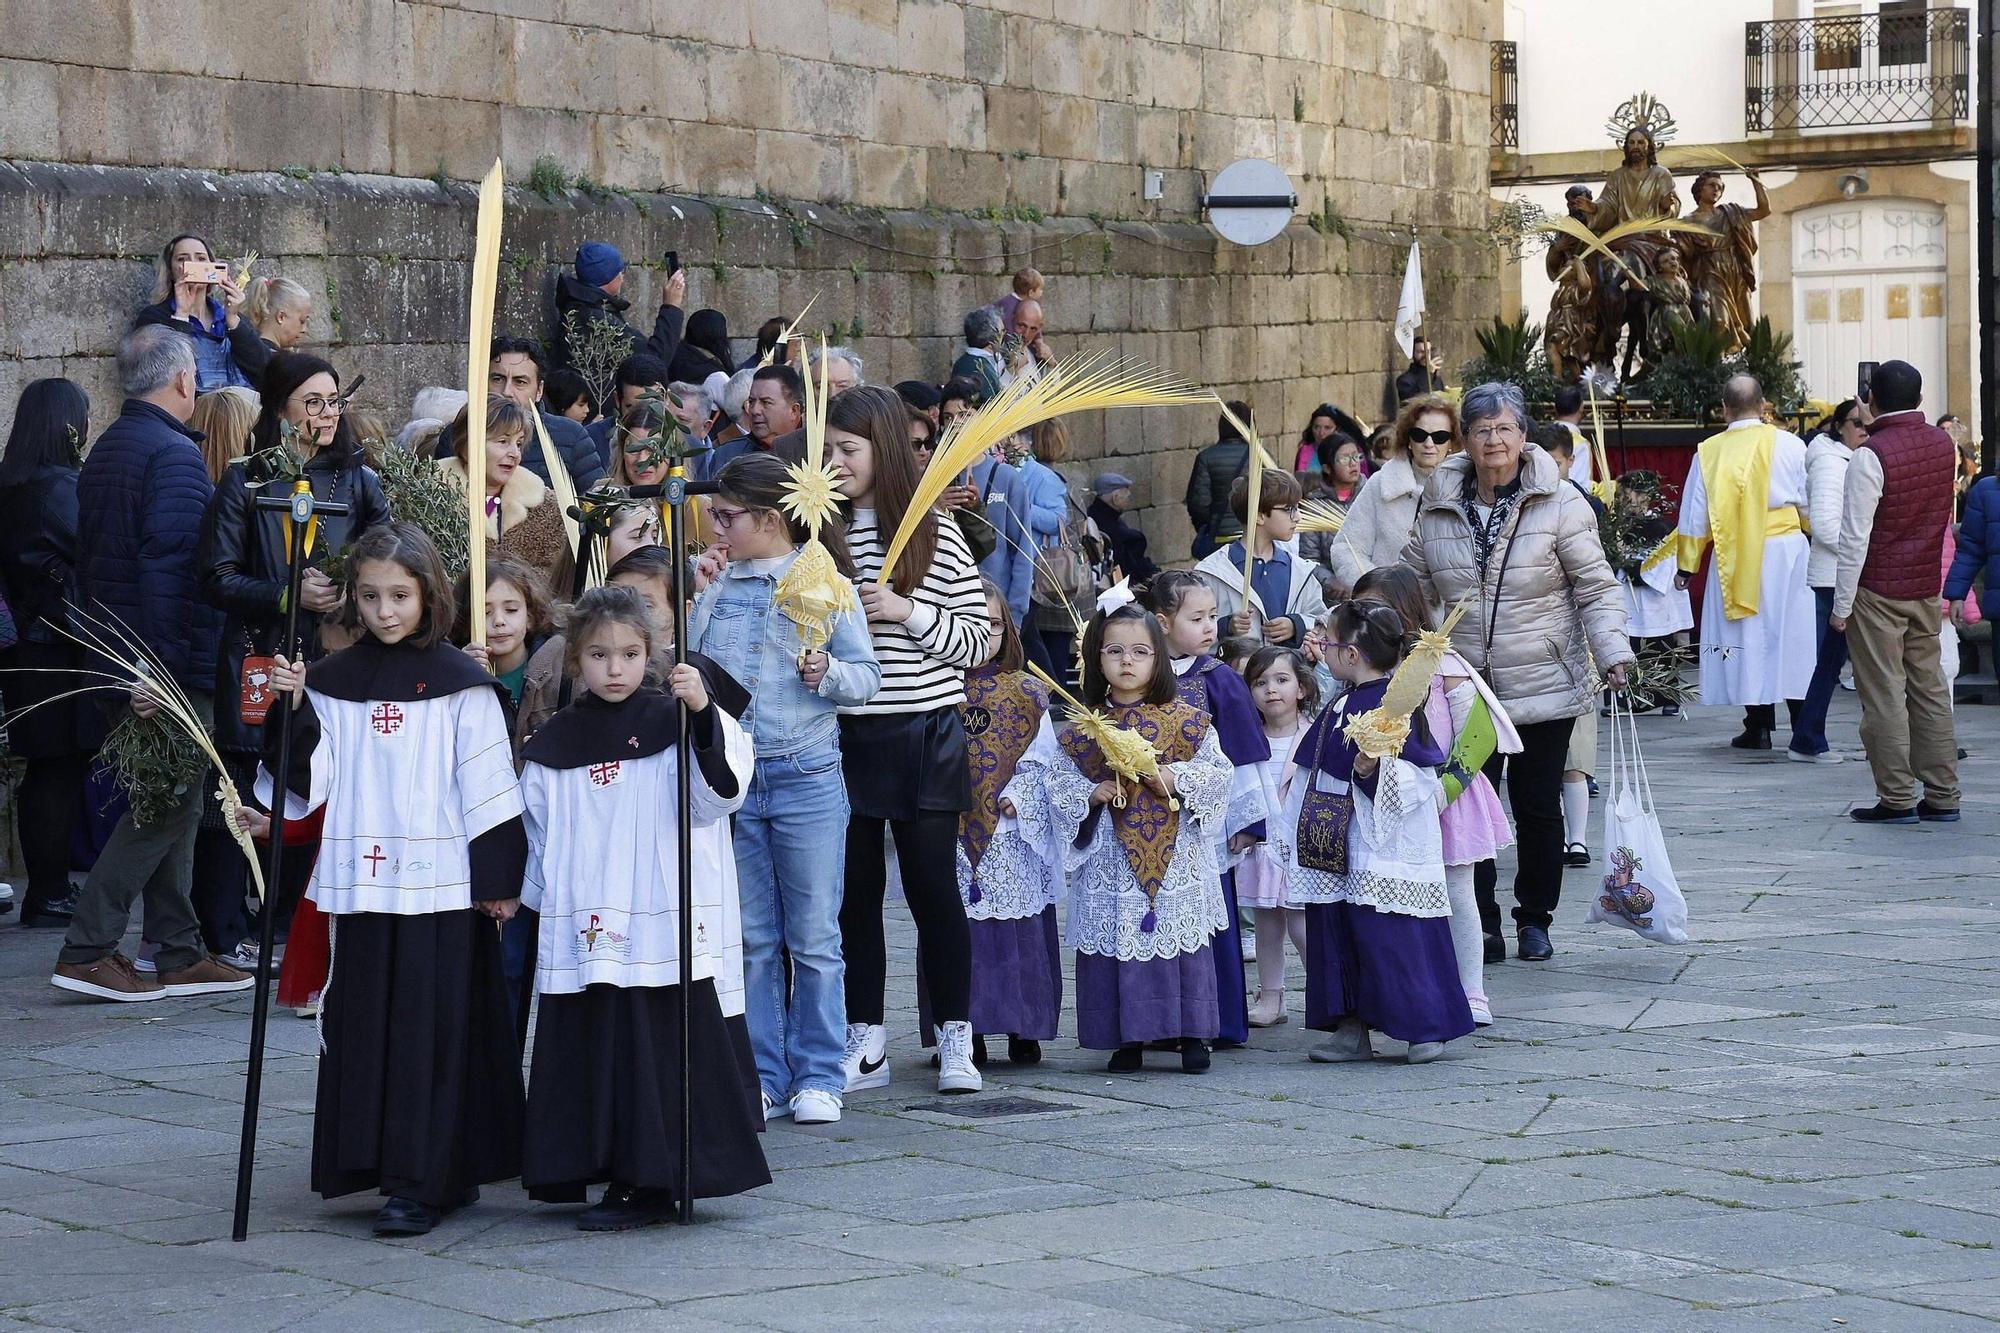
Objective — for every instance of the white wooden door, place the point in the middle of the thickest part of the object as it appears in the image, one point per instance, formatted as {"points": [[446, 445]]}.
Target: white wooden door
{"points": [[1868, 284]]}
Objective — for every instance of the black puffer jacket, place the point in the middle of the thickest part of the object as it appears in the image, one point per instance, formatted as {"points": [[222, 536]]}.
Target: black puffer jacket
{"points": [[38, 551], [1215, 469], [243, 570], [594, 305]]}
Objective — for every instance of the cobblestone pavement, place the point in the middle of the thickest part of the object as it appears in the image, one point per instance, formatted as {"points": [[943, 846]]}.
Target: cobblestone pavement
{"points": [[1787, 1123]]}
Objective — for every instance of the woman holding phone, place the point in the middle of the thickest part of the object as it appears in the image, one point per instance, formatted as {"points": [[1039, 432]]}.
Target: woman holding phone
{"points": [[196, 294]]}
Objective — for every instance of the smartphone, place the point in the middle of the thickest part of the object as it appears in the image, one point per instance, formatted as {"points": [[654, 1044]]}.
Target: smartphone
{"points": [[204, 270], [673, 262], [1864, 378]]}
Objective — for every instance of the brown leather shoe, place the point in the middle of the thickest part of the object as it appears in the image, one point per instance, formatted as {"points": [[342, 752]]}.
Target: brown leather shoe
{"points": [[111, 977], [211, 976]]}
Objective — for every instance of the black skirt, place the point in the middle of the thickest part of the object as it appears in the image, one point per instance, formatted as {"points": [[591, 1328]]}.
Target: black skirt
{"points": [[604, 1100], [420, 1086], [900, 765]]}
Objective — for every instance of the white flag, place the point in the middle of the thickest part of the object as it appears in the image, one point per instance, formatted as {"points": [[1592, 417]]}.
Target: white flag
{"points": [[1410, 305]]}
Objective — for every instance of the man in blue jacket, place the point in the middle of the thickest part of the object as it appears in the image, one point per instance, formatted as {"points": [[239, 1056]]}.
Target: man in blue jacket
{"points": [[140, 501], [516, 373]]}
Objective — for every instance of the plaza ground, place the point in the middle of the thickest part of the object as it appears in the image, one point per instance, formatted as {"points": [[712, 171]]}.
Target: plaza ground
{"points": [[1787, 1123]]}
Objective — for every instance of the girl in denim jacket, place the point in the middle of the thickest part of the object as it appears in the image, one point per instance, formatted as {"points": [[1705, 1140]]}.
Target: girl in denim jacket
{"points": [[792, 830]]}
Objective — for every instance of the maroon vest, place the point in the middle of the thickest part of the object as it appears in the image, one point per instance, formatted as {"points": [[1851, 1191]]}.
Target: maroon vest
{"points": [[1906, 549]]}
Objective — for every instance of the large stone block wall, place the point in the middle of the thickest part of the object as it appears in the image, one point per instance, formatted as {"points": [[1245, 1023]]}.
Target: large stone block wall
{"points": [[333, 139]]}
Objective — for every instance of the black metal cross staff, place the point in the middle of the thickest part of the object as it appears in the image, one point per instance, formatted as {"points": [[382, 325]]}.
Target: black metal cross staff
{"points": [[300, 509], [675, 491]]}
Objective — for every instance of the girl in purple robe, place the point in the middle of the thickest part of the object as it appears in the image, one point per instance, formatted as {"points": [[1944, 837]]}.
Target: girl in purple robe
{"points": [[1009, 890], [1186, 609], [1145, 900], [1366, 860]]}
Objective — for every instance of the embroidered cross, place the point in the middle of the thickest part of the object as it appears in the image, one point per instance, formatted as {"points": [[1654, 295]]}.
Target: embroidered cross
{"points": [[387, 719], [375, 860], [632, 741], [603, 775]]}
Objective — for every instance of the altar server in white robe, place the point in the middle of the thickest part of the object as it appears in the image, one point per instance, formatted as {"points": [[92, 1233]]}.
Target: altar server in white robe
{"points": [[1759, 633], [403, 740], [600, 784]]}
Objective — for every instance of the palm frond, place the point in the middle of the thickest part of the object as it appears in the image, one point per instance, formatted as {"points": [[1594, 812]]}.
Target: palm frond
{"points": [[1252, 491], [1382, 730], [1130, 756], [1079, 384], [1034, 558], [1704, 155], [478, 354], [786, 335], [1318, 515]]}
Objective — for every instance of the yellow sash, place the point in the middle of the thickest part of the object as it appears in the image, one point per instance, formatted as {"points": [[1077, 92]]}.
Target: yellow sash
{"points": [[1736, 473]]}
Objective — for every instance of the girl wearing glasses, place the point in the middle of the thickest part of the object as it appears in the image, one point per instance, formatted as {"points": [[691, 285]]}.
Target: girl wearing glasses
{"points": [[1145, 895], [794, 816], [245, 571], [1384, 512]]}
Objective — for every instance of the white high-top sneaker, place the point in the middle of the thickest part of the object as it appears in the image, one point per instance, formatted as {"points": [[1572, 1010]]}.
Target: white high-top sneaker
{"points": [[956, 1072], [867, 1060]]}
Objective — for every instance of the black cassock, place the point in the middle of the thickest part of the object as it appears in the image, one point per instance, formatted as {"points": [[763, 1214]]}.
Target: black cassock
{"points": [[420, 1092]]}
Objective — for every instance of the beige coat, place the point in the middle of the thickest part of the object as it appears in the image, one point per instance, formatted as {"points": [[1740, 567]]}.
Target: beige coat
{"points": [[1547, 604], [528, 527], [1378, 523]]}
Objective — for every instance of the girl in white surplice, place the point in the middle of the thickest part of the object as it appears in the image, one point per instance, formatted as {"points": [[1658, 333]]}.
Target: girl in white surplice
{"points": [[601, 785], [403, 740]]}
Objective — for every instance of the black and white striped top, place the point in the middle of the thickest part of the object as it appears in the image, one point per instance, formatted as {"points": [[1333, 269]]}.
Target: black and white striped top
{"points": [[924, 661]]}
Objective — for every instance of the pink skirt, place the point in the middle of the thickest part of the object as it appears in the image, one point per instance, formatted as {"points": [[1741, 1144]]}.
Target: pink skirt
{"points": [[1260, 880], [1474, 825]]}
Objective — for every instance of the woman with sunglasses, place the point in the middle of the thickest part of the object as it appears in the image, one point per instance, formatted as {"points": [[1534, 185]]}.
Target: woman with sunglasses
{"points": [[301, 431], [1383, 513]]}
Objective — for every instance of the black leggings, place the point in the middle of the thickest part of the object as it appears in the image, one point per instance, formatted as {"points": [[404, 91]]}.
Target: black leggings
{"points": [[48, 802], [926, 851], [1534, 790]]}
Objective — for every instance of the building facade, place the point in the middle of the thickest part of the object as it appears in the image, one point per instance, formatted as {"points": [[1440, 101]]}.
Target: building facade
{"points": [[1858, 115]]}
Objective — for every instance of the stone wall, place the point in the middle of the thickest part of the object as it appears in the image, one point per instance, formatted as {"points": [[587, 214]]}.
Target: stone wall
{"points": [[938, 144]]}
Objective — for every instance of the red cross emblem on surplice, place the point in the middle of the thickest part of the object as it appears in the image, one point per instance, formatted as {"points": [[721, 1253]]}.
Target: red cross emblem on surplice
{"points": [[603, 775], [387, 719], [375, 860]]}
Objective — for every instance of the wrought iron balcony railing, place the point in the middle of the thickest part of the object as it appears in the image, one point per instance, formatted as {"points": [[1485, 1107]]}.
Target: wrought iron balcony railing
{"points": [[1506, 96], [1906, 64]]}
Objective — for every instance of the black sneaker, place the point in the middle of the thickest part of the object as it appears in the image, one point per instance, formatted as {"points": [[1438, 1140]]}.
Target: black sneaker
{"points": [[1194, 1055], [1932, 814], [1023, 1051], [1751, 739], [54, 912], [625, 1208], [1533, 945], [1879, 813]]}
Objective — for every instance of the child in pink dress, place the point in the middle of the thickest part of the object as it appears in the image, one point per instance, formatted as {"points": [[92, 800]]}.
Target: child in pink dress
{"points": [[1472, 822], [1287, 695]]}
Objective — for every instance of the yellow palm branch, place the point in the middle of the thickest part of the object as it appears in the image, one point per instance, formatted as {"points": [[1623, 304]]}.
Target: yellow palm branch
{"points": [[478, 353], [786, 336], [813, 592], [1318, 515], [1253, 488], [1705, 155], [1381, 730], [1080, 384], [1129, 756], [1601, 244]]}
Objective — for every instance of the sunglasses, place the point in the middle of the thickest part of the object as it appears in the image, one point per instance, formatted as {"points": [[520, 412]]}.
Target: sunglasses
{"points": [[1434, 436]]}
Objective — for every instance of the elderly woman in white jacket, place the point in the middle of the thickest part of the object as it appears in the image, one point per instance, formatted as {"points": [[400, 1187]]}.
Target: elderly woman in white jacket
{"points": [[1380, 520], [1827, 458], [1499, 525]]}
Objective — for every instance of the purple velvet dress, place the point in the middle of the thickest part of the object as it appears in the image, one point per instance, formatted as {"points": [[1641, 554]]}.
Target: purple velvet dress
{"points": [[1394, 971], [1218, 691]]}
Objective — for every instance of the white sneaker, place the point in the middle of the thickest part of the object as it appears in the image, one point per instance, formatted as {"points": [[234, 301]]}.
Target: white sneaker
{"points": [[814, 1107], [956, 1072], [1423, 1052], [773, 1110], [867, 1059], [1482, 1012], [1823, 757]]}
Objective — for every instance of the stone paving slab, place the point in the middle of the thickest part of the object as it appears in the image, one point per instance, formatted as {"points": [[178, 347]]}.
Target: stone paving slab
{"points": [[1791, 1122]]}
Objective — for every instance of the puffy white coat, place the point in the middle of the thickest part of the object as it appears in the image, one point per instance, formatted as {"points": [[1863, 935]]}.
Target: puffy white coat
{"points": [[1378, 523], [1547, 603], [1826, 491]]}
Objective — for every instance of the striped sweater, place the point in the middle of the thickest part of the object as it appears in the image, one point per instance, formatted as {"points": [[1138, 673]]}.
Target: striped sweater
{"points": [[924, 660]]}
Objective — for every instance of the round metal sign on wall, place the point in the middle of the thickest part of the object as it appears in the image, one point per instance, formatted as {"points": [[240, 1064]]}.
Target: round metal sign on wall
{"points": [[1250, 202]]}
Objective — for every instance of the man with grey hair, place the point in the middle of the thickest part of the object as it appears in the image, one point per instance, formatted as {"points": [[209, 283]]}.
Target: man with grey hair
{"points": [[1759, 624], [843, 370], [140, 500], [980, 362]]}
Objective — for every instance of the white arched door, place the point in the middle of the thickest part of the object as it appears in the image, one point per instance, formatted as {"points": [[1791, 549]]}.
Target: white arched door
{"points": [[1868, 284]]}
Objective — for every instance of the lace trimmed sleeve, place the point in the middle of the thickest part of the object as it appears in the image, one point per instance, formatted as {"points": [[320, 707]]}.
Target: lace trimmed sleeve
{"points": [[1205, 784], [1052, 798]]}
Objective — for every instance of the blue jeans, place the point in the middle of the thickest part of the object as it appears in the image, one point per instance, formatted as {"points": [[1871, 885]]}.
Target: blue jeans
{"points": [[1809, 727], [791, 842]]}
